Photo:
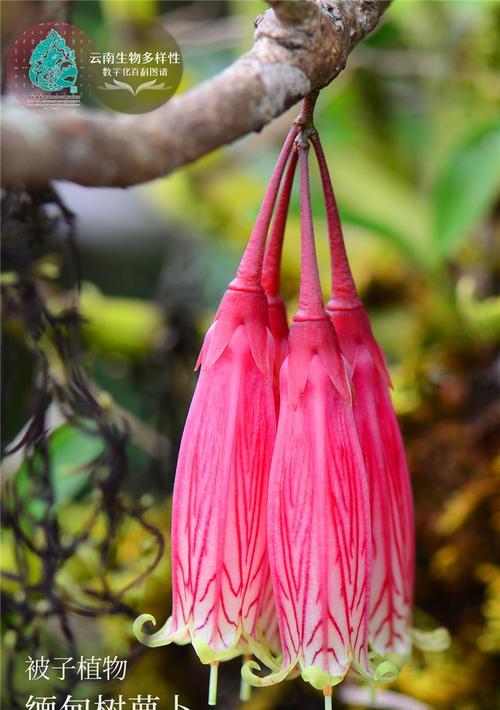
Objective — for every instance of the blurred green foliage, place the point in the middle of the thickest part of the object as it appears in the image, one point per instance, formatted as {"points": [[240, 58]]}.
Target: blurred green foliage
{"points": [[412, 135]]}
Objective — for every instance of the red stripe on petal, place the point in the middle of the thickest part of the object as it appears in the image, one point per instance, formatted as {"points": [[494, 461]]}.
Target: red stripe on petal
{"points": [[317, 522], [220, 493]]}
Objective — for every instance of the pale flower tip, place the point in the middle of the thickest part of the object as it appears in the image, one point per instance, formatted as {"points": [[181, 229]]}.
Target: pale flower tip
{"points": [[247, 674], [138, 625], [262, 681], [262, 651], [167, 634], [436, 640], [212, 686], [386, 672], [208, 655], [377, 668], [245, 690], [321, 679]]}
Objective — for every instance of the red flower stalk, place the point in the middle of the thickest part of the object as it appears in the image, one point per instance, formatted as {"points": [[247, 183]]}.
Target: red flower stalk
{"points": [[278, 321], [391, 503], [218, 542], [318, 515]]}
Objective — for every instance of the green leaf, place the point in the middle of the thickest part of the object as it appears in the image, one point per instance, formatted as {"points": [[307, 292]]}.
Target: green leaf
{"points": [[393, 236], [71, 451], [466, 187]]}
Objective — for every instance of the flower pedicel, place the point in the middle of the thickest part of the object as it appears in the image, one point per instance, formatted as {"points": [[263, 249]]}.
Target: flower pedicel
{"points": [[278, 322]]}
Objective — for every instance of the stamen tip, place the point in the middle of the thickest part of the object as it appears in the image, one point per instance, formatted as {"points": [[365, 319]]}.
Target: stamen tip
{"points": [[245, 691], [212, 687]]}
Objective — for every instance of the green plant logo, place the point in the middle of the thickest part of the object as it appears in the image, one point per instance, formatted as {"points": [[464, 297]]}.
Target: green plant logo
{"points": [[53, 64]]}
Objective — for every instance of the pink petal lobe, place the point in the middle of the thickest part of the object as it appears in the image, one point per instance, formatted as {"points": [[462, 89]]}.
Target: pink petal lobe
{"points": [[278, 325], [267, 619], [353, 329], [260, 339], [306, 339], [205, 347], [389, 485], [219, 564], [391, 511], [239, 307], [318, 527]]}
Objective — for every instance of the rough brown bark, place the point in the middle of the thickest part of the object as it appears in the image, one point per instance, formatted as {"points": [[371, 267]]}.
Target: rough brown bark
{"points": [[300, 46]]}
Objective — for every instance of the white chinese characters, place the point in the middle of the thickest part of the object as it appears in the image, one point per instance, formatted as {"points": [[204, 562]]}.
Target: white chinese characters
{"points": [[107, 668]]}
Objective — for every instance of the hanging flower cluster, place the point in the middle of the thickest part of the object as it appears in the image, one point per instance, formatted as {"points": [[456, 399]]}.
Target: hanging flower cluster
{"points": [[292, 518]]}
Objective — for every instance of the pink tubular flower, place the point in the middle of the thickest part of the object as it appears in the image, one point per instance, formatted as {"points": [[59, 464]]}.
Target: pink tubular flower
{"points": [[318, 515], [218, 541], [391, 503]]}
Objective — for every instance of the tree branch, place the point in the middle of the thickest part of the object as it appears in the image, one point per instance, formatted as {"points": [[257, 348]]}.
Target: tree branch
{"points": [[300, 46]]}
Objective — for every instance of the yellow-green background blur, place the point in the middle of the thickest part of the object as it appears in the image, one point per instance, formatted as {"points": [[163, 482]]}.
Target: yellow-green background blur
{"points": [[412, 136]]}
